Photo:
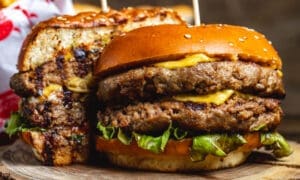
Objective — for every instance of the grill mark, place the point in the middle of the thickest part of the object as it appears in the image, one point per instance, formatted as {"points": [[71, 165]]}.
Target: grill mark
{"points": [[48, 150], [67, 99], [47, 119], [83, 62], [60, 66], [80, 54], [39, 79], [83, 68], [196, 106]]}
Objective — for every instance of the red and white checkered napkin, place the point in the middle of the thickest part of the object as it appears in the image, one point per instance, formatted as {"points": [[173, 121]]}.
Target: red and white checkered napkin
{"points": [[15, 23]]}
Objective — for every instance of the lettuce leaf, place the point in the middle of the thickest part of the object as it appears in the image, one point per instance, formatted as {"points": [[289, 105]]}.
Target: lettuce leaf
{"points": [[123, 137], [259, 127], [179, 134], [14, 124], [215, 144], [153, 144], [277, 143], [107, 132]]}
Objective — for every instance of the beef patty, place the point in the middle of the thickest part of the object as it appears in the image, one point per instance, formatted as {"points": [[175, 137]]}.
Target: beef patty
{"points": [[237, 114], [64, 108], [60, 71], [146, 82]]}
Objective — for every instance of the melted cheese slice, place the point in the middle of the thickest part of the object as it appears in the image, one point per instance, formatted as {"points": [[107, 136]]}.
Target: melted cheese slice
{"points": [[217, 98], [50, 89], [280, 74], [190, 60]]}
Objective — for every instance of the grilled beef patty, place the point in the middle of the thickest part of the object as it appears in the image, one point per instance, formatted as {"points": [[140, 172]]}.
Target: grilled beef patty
{"points": [[64, 108], [147, 82], [237, 114], [31, 83]]}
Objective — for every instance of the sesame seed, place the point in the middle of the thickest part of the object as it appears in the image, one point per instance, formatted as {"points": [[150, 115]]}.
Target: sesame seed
{"points": [[88, 18], [111, 20], [256, 37], [67, 22], [242, 39], [230, 44], [201, 40], [188, 36], [61, 18], [270, 42], [265, 50]]}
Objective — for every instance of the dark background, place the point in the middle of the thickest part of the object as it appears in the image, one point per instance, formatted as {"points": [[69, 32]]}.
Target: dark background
{"points": [[279, 20]]}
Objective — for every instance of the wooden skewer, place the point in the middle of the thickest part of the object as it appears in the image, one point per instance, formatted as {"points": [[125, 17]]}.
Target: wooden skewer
{"points": [[196, 12], [104, 5]]}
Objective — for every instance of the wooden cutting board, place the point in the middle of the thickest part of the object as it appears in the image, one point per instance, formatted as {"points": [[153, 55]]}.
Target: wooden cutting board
{"points": [[18, 162]]}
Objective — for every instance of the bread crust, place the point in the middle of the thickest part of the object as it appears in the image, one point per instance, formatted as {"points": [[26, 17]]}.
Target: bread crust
{"points": [[177, 164], [87, 21], [58, 147], [170, 42], [176, 156]]}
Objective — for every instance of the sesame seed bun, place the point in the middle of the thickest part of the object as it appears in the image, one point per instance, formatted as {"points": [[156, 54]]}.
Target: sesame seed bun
{"points": [[169, 42]]}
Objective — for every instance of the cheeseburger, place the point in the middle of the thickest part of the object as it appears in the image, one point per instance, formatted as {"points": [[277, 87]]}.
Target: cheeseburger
{"points": [[178, 98], [55, 79]]}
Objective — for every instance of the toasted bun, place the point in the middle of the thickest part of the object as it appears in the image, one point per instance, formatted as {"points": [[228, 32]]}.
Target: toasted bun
{"points": [[174, 158], [85, 28], [62, 155], [168, 42]]}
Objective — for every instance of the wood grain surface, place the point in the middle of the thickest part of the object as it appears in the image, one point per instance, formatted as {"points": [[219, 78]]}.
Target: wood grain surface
{"points": [[18, 162]]}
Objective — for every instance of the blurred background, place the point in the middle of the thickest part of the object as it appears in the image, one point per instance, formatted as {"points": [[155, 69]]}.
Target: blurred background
{"points": [[279, 20]]}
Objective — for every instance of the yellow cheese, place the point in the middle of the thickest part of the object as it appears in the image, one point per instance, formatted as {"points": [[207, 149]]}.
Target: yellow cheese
{"points": [[280, 74], [47, 91], [68, 56], [80, 85], [217, 98], [189, 60]]}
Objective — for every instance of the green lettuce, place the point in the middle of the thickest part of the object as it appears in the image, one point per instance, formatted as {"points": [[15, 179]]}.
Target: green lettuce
{"points": [[277, 143], [179, 134], [77, 138], [123, 137], [153, 144], [107, 132], [15, 125], [215, 144], [259, 127]]}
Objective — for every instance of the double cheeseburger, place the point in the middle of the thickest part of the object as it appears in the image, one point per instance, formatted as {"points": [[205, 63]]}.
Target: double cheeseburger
{"points": [[178, 98]]}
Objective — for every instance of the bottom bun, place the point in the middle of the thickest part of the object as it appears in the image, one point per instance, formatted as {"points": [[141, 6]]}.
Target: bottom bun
{"points": [[58, 151], [176, 156], [173, 164]]}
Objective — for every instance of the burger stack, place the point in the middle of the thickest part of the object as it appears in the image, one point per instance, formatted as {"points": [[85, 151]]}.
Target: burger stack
{"points": [[55, 79], [189, 98]]}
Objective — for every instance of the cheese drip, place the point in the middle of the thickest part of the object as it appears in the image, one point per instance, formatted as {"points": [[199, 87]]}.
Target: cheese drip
{"points": [[217, 98], [49, 90], [189, 60]]}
